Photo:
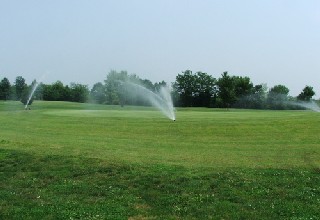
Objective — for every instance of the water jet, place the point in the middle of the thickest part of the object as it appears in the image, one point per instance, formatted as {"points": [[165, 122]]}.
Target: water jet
{"points": [[161, 100], [35, 86], [311, 105]]}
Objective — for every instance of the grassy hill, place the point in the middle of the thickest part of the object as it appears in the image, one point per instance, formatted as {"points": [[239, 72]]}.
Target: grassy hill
{"points": [[69, 160]]}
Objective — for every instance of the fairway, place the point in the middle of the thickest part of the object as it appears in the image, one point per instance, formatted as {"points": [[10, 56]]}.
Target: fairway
{"points": [[70, 160]]}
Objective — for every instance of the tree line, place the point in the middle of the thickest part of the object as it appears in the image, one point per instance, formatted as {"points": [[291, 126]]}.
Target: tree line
{"points": [[57, 91], [203, 90], [190, 89]]}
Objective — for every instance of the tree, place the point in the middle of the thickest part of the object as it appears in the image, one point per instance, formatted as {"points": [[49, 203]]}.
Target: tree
{"points": [[204, 89], [79, 93], [258, 98], [25, 95], [56, 92], [37, 87], [113, 84], [46, 92], [61, 92], [158, 85], [280, 89], [20, 86], [38, 94], [306, 94], [98, 93], [226, 90], [244, 91], [5, 89], [120, 89], [30, 92], [243, 86], [185, 86], [278, 97], [147, 84]]}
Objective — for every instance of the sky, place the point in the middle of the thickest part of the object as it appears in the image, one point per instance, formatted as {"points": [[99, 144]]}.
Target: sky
{"points": [[270, 41]]}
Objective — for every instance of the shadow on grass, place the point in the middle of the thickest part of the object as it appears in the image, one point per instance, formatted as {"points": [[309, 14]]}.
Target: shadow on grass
{"points": [[55, 187]]}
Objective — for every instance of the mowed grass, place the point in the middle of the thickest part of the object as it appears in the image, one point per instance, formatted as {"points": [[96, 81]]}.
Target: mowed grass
{"points": [[69, 160]]}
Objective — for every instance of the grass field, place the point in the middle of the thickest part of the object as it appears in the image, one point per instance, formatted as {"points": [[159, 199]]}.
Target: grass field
{"points": [[83, 161]]}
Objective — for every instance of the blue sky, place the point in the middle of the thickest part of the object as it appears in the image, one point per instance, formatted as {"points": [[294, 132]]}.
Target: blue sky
{"points": [[272, 42]]}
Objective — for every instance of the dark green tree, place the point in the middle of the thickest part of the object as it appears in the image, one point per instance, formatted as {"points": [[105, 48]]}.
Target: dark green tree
{"points": [[185, 87], [47, 92], [26, 94], [226, 90], [306, 94], [147, 84], [158, 85], [277, 97], [5, 89], [98, 93], [56, 92], [30, 92], [204, 89], [243, 86], [115, 93], [20, 86], [13, 95], [280, 89], [194, 89], [256, 100], [79, 92], [244, 91], [37, 95]]}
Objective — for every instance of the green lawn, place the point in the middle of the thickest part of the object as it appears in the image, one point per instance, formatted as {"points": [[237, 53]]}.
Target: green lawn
{"points": [[83, 161]]}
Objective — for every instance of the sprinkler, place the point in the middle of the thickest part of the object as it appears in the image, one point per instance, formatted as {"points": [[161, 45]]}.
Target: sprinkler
{"points": [[161, 100]]}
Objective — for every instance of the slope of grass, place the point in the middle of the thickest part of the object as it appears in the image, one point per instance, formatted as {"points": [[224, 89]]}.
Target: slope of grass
{"points": [[68, 160]]}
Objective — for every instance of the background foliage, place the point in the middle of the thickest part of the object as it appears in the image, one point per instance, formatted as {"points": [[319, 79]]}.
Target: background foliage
{"points": [[190, 89]]}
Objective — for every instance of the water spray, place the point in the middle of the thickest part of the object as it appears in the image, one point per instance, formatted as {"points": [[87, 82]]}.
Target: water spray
{"points": [[35, 86], [161, 100], [312, 105]]}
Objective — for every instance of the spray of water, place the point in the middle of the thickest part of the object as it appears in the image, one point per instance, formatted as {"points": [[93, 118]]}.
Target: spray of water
{"points": [[34, 88], [308, 105], [161, 100]]}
